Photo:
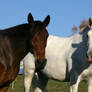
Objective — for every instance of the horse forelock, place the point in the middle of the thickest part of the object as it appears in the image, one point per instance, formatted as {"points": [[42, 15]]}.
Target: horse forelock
{"points": [[38, 25]]}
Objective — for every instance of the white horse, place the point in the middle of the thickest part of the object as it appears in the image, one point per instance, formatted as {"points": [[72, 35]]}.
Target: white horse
{"points": [[66, 61]]}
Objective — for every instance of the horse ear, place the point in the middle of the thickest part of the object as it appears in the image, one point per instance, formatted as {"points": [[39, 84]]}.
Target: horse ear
{"points": [[30, 18], [90, 22], [46, 21]]}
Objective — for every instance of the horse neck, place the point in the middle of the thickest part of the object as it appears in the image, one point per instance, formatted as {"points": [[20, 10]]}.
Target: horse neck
{"points": [[17, 37], [76, 38], [18, 48]]}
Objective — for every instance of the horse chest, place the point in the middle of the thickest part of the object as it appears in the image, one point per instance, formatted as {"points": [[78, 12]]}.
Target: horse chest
{"points": [[5, 75]]}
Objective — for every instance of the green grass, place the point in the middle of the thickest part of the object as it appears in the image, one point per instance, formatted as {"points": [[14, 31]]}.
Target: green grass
{"points": [[17, 84], [53, 86]]}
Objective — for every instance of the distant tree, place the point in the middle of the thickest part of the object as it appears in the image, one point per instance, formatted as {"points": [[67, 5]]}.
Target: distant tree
{"points": [[74, 28], [83, 24]]}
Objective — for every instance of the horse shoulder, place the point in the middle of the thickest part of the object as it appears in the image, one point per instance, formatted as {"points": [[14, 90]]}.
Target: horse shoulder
{"points": [[5, 52]]}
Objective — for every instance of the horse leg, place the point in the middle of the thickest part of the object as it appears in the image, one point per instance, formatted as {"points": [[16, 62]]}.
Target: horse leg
{"points": [[90, 85], [4, 89], [74, 82], [39, 85], [74, 87], [29, 69], [28, 76]]}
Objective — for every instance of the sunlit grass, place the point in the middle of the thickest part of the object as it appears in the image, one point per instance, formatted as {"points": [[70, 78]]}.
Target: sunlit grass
{"points": [[53, 86]]}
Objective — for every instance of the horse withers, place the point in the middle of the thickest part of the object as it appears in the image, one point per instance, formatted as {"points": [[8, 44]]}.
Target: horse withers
{"points": [[16, 42], [66, 61]]}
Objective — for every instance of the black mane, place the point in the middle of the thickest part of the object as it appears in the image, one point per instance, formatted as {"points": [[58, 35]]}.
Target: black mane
{"points": [[16, 30]]}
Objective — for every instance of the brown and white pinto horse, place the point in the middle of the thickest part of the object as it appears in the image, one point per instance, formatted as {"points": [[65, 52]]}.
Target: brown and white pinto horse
{"points": [[16, 42]]}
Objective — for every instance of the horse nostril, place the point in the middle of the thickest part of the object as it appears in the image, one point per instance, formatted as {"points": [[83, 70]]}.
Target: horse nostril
{"points": [[41, 60], [45, 60], [89, 58], [40, 63]]}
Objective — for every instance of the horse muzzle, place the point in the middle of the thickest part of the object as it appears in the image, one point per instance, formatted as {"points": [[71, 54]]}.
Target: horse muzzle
{"points": [[89, 58], [40, 64]]}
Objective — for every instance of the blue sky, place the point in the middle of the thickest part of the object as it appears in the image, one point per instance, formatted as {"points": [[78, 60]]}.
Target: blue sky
{"points": [[63, 13]]}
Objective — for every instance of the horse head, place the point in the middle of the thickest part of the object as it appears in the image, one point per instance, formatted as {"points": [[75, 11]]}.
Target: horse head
{"points": [[37, 40], [89, 51]]}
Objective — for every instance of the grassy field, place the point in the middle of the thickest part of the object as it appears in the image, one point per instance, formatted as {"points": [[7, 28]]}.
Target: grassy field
{"points": [[53, 86]]}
